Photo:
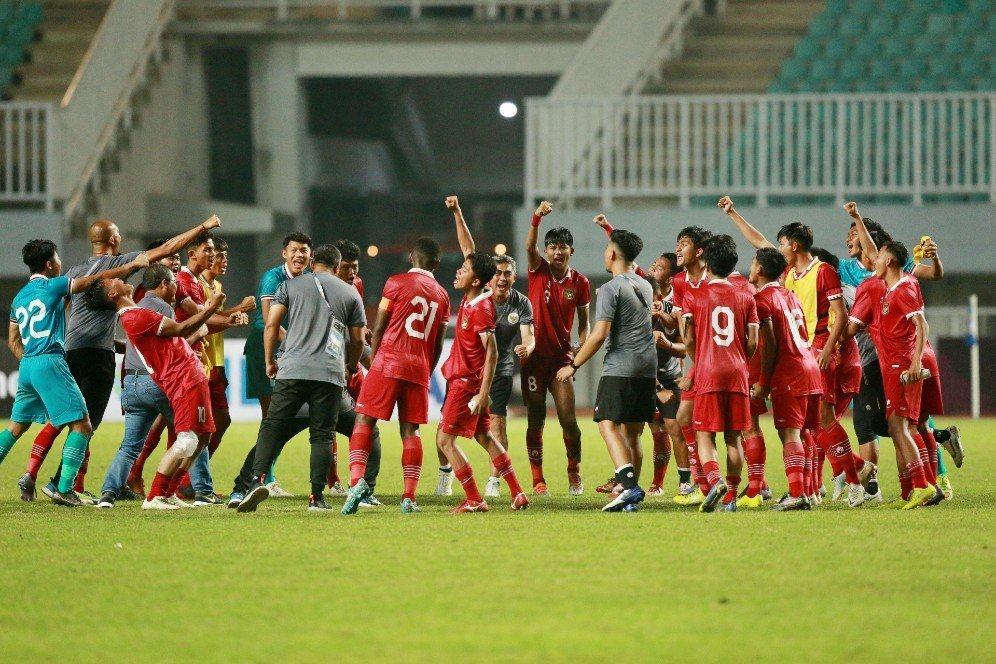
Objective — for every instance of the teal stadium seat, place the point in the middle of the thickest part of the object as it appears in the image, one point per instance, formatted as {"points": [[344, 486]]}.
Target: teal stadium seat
{"points": [[852, 26], [823, 70], [940, 24], [970, 68], [897, 48], [867, 48], [881, 25], [982, 46], [852, 70], [807, 49], [926, 46], [912, 68], [956, 46], [941, 68], [837, 49], [910, 25], [866, 7], [822, 27], [869, 84], [896, 7], [882, 69], [837, 8]]}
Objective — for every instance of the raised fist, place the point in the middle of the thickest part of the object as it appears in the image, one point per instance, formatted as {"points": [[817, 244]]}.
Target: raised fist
{"points": [[217, 300], [725, 204], [248, 303], [142, 260], [600, 220], [452, 203], [213, 222], [851, 208], [545, 208]]}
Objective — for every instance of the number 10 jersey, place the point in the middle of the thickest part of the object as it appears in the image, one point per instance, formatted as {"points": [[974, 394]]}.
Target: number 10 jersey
{"points": [[420, 309]]}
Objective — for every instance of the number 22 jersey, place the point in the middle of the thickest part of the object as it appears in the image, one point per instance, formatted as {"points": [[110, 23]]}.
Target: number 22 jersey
{"points": [[420, 309]]}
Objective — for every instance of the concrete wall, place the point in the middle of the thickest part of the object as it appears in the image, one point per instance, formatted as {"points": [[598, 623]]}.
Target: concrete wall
{"points": [[19, 227]]}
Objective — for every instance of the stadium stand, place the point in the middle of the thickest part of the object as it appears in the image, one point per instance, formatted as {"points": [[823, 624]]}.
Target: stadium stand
{"points": [[18, 28]]}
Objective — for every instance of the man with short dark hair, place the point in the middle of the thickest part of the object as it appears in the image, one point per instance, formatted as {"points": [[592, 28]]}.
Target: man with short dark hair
{"points": [[322, 346], [625, 398]]}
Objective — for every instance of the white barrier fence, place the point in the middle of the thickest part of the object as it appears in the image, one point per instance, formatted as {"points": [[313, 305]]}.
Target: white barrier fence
{"points": [[25, 150], [654, 147], [283, 10]]}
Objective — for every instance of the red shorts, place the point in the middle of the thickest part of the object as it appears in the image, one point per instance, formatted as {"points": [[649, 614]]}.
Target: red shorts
{"points": [[538, 373], [192, 408], [218, 385], [721, 411], [828, 378], [931, 398], [848, 380], [795, 411], [688, 395], [758, 407], [379, 394], [901, 399], [457, 418]]}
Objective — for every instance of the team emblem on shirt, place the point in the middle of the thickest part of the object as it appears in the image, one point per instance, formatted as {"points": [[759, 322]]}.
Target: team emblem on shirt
{"points": [[569, 293], [464, 323], [885, 308], [513, 318]]}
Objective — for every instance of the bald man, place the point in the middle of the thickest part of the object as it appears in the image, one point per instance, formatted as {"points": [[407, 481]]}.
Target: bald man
{"points": [[90, 341]]}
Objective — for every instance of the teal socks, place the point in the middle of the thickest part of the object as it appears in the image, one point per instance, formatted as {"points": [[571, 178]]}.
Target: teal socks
{"points": [[72, 458]]}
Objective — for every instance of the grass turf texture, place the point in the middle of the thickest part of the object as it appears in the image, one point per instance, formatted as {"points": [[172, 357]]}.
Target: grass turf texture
{"points": [[558, 582]]}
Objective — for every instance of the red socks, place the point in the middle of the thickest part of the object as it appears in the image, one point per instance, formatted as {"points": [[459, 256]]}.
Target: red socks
{"points": [[503, 465], [411, 465], [693, 455], [835, 443], [921, 447], [732, 486], [466, 476], [534, 448], [754, 451], [81, 474], [176, 482], [794, 457], [809, 445], [39, 449], [360, 444], [159, 486], [712, 476], [662, 456], [915, 469]]}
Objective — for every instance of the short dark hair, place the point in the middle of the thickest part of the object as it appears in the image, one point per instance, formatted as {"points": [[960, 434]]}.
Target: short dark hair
{"points": [[154, 275], [630, 245], [327, 254], [202, 238], [672, 260], [698, 236], [298, 236], [772, 262], [720, 255], [36, 253], [95, 297], [158, 242], [898, 251], [558, 235], [826, 256], [797, 232], [483, 265], [348, 250], [426, 249], [219, 244]]}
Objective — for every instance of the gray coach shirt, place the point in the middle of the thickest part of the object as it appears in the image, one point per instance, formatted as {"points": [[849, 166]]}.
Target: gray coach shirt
{"points": [[152, 302], [308, 352], [87, 328], [629, 350], [509, 315]]}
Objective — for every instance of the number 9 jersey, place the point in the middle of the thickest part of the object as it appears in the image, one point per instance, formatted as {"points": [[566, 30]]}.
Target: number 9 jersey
{"points": [[420, 309], [40, 313]]}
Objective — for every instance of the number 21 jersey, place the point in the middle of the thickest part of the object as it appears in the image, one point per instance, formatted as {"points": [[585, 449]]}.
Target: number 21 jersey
{"points": [[420, 309]]}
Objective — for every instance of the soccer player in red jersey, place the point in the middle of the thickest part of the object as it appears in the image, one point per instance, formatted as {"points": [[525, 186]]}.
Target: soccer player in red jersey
{"points": [[407, 342], [469, 371], [787, 372], [175, 368], [689, 248], [721, 328], [899, 330], [558, 293]]}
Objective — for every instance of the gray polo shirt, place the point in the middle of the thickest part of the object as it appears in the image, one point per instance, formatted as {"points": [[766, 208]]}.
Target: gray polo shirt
{"points": [[316, 345], [509, 315], [87, 328], [668, 366], [152, 302], [629, 350]]}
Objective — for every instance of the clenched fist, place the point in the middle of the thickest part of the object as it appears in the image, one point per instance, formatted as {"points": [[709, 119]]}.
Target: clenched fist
{"points": [[851, 208], [213, 222], [545, 208], [452, 203], [600, 220], [725, 204]]}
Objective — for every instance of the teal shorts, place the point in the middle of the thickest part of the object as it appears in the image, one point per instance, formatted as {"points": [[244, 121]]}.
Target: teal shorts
{"points": [[47, 392], [258, 384]]}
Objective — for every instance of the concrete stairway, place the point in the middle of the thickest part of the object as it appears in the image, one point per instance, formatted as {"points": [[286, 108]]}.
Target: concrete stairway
{"points": [[739, 51]]}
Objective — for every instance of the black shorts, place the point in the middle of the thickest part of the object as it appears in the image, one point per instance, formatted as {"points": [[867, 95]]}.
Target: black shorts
{"points": [[669, 410], [869, 405], [501, 394], [93, 369], [624, 400]]}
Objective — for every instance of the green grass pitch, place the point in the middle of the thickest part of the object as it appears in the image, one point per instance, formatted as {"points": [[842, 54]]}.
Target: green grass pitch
{"points": [[559, 582]]}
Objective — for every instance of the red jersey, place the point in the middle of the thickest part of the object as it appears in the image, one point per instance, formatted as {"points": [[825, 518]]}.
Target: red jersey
{"points": [[169, 360], [475, 319], [754, 365], [681, 287], [721, 313], [420, 309], [187, 286], [358, 284], [554, 304], [888, 313], [796, 371], [815, 287]]}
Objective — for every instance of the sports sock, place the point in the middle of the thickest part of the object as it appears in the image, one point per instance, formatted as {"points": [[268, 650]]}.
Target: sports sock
{"points": [[794, 457], [921, 448], [821, 456], [693, 455], [662, 456], [7, 441], [684, 475], [933, 454], [73, 453], [271, 476], [807, 470], [503, 465], [534, 448], [411, 465], [711, 469], [360, 444], [573, 445], [78, 485], [941, 468], [159, 485], [626, 476], [754, 451], [151, 443], [916, 471], [905, 484], [732, 484], [40, 448], [175, 482], [466, 476], [446, 469], [835, 443]]}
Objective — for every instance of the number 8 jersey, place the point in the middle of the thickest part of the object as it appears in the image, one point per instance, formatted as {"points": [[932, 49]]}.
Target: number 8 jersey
{"points": [[40, 314], [420, 309], [721, 313]]}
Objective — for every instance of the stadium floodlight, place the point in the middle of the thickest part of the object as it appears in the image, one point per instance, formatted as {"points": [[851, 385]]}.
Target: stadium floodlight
{"points": [[372, 250], [500, 249], [508, 109]]}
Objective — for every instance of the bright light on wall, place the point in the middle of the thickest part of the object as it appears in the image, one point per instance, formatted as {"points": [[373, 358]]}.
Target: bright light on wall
{"points": [[500, 249], [372, 250], [508, 109]]}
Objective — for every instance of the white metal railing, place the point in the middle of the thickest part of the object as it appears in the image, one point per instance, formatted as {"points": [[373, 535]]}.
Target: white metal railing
{"points": [[283, 10], [25, 152], [908, 145]]}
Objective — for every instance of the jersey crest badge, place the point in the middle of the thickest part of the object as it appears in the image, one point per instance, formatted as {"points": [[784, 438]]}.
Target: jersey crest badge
{"points": [[885, 308], [464, 323], [513, 317], [569, 293]]}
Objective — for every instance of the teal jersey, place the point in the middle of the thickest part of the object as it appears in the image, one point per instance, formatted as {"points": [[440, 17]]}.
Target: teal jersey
{"points": [[268, 287], [39, 309]]}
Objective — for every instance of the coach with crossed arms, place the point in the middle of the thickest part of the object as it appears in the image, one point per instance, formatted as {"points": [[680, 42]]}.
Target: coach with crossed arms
{"points": [[324, 321]]}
